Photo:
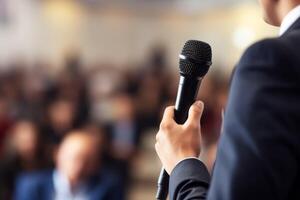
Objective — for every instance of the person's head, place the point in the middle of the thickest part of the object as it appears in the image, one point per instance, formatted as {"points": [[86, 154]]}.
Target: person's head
{"points": [[275, 10], [123, 107], [25, 139], [78, 156], [61, 114]]}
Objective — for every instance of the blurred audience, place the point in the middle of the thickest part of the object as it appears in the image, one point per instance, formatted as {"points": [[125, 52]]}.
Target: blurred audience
{"points": [[24, 152], [118, 104], [77, 175]]}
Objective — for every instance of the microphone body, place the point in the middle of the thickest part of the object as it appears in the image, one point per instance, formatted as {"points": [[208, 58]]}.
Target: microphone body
{"points": [[195, 61], [186, 96]]}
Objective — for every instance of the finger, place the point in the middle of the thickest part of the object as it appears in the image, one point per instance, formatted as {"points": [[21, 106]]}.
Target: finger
{"points": [[168, 115], [157, 149], [195, 113], [158, 136]]}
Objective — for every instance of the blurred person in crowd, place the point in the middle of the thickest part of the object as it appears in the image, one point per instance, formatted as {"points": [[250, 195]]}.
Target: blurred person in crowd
{"points": [[24, 152], [72, 84], [5, 121], [214, 94], [154, 87], [61, 114], [11, 88], [208, 94], [149, 101], [32, 101], [78, 174], [98, 130], [123, 135]]}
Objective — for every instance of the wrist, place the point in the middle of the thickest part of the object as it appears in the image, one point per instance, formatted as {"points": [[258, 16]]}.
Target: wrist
{"points": [[189, 154]]}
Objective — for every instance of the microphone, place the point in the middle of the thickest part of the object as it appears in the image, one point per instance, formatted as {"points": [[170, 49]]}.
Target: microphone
{"points": [[194, 63]]}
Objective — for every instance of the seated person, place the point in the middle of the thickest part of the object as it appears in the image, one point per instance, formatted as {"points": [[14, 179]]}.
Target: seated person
{"points": [[24, 152], [76, 176]]}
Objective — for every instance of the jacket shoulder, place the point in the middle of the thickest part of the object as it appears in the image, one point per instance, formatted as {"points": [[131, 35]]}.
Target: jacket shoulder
{"points": [[266, 52]]}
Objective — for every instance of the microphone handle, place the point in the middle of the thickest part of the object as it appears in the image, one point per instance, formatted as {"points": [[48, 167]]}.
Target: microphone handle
{"points": [[186, 96], [162, 185]]}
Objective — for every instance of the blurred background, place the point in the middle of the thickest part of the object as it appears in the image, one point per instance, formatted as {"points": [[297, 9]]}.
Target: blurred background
{"points": [[108, 68]]}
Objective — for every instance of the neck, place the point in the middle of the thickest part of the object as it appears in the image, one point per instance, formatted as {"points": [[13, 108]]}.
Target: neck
{"points": [[284, 7]]}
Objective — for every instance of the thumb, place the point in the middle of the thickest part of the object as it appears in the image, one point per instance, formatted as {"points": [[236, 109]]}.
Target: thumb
{"points": [[195, 113]]}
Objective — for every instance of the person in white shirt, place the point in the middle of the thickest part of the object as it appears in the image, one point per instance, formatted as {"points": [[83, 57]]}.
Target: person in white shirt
{"points": [[258, 154]]}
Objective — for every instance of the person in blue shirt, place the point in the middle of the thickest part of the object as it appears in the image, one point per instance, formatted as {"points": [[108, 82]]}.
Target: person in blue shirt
{"points": [[77, 175]]}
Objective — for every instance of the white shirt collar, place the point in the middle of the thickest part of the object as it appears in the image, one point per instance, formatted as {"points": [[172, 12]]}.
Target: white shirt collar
{"points": [[289, 19]]}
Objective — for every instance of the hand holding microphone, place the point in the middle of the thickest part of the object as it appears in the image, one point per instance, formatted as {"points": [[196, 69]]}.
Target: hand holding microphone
{"points": [[179, 135], [175, 142]]}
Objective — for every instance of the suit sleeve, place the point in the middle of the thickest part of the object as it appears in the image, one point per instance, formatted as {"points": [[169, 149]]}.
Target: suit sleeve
{"points": [[257, 154], [189, 180]]}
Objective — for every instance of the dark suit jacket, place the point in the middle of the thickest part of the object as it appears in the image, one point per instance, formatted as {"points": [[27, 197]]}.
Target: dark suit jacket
{"points": [[40, 186], [259, 149]]}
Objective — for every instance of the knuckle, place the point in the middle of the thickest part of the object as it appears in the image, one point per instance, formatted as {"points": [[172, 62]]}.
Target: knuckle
{"points": [[196, 109], [168, 109], [193, 125], [165, 126]]}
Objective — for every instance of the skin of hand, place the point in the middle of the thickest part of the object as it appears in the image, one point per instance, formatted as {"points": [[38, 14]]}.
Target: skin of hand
{"points": [[176, 142]]}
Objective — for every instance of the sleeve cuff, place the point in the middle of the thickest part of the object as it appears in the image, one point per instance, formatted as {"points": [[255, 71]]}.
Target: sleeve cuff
{"points": [[188, 158], [188, 169]]}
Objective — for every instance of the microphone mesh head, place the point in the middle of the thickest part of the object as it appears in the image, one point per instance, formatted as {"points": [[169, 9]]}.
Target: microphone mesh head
{"points": [[197, 58]]}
